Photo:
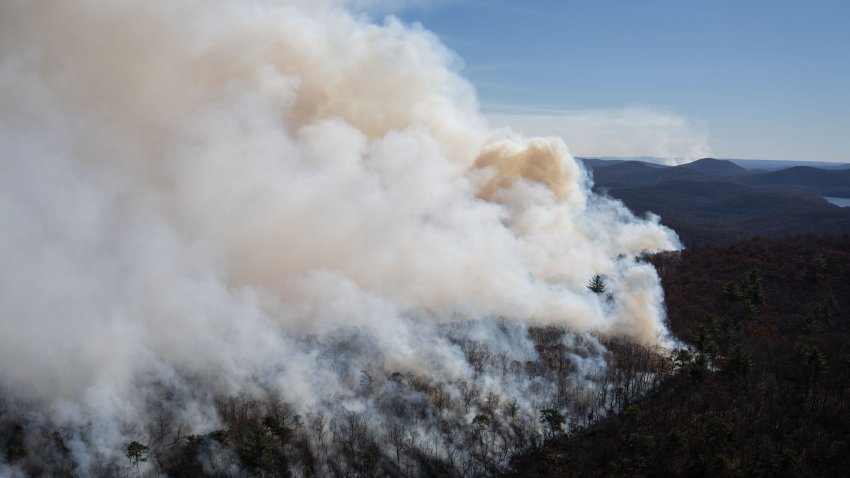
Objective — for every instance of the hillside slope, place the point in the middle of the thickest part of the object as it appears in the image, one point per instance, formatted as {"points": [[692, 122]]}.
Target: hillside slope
{"points": [[764, 390], [712, 212]]}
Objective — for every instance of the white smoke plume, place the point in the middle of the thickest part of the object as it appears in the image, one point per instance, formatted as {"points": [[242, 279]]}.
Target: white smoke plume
{"points": [[626, 132], [211, 196]]}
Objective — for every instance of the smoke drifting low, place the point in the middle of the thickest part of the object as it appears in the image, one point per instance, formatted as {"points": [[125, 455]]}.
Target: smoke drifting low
{"points": [[228, 197]]}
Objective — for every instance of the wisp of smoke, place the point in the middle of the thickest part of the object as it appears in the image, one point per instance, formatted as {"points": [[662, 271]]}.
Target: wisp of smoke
{"points": [[625, 132], [270, 198]]}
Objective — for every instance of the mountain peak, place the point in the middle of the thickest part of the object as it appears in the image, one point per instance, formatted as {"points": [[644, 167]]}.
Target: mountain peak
{"points": [[717, 167]]}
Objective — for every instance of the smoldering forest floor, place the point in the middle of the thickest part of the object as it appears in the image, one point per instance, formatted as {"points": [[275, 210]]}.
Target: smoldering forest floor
{"points": [[415, 426]]}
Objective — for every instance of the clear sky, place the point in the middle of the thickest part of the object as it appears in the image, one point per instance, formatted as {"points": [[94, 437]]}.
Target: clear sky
{"points": [[731, 78]]}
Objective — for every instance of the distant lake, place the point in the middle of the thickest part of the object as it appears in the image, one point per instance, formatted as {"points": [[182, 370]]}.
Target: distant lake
{"points": [[841, 202]]}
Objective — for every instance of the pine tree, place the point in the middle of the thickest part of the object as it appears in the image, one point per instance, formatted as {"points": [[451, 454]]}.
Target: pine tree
{"points": [[256, 450], [597, 284], [553, 419]]}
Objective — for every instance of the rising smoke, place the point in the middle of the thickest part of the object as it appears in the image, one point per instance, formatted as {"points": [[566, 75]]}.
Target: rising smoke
{"points": [[270, 198]]}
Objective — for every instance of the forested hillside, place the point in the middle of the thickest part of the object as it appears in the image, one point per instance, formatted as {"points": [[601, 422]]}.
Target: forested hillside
{"points": [[760, 386], [713, 201], [412, 425], [764, 389]]}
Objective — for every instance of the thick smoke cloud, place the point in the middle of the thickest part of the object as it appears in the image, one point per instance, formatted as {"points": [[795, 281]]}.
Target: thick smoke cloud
{"points": [[209, 196]]}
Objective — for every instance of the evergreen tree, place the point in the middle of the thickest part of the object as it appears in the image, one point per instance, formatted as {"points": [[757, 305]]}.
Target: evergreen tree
{"points": [[256, 450], [553, 419], [597, 284], [137, 453]]}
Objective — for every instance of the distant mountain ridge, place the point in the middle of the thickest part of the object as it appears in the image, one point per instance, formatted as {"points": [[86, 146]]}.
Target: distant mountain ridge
{"points": [[807, 179], [716, 201], [750, 164], [635, 173]]}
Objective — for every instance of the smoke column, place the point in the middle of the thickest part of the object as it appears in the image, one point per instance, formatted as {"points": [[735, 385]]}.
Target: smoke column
{"points": [[203, 196]]}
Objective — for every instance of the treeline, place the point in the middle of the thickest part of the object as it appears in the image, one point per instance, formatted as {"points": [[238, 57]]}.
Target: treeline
{"points": [[764, 389]]}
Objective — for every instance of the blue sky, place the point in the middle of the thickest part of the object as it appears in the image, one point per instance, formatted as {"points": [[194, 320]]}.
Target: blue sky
{"points": [[739, 79]]}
